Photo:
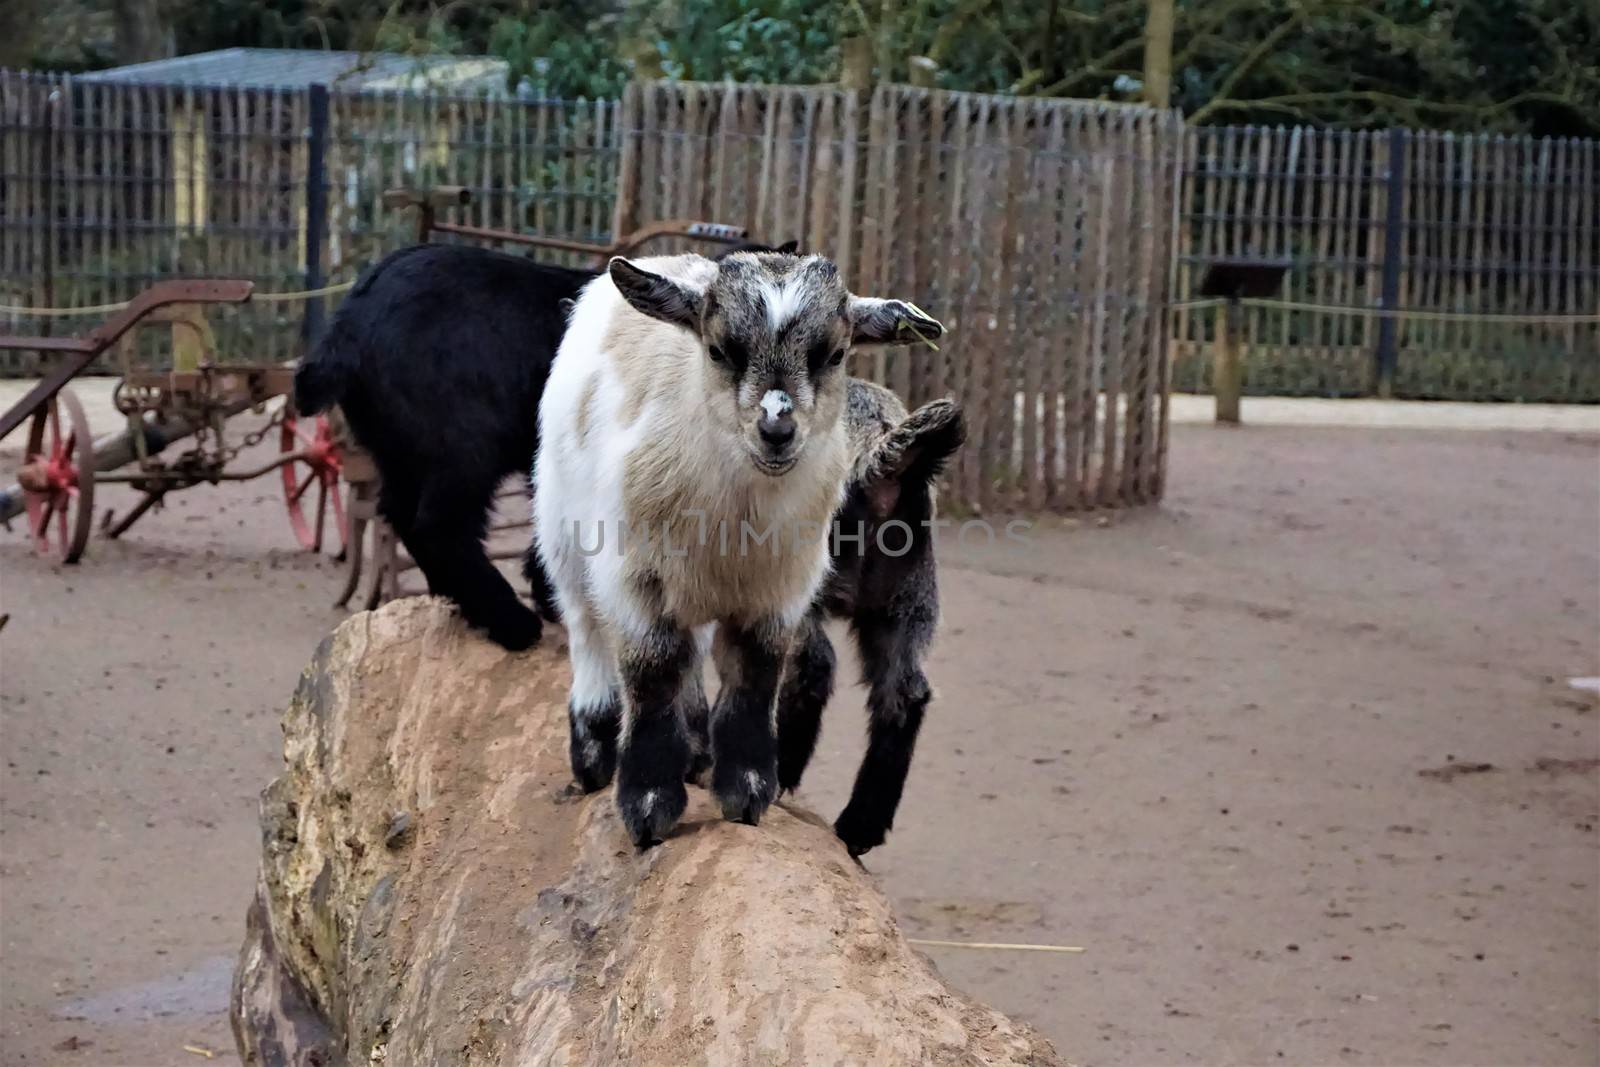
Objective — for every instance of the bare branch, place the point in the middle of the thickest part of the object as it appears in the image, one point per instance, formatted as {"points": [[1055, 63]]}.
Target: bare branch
{"points": [[952, 27], [1243, 68], [1005, 42], [1096, 68]]}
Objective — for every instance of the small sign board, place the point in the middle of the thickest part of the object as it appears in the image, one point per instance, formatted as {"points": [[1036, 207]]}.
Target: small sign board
{"points": [[1243, 279]]}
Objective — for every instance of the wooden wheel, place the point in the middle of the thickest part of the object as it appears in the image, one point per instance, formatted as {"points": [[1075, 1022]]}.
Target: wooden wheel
{"points": [[57, 478], [313, 473]]}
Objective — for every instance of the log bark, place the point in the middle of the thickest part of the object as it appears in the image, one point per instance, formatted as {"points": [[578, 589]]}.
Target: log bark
{"points": [[433, 892]]}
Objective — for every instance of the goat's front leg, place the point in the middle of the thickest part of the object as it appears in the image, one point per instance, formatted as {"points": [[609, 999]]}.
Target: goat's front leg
{"points": [[744, 745], [897, 696], [594, 710], [807, 685], [653, 756]]}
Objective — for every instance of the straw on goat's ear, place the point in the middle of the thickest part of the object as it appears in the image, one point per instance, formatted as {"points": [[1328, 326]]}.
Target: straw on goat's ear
{"points": [[875, 321], [657, 296], [914, 451]]}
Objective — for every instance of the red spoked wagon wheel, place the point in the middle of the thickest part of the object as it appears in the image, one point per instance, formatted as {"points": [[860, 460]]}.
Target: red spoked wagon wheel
{"points": [[314, 473], [57, 479]]}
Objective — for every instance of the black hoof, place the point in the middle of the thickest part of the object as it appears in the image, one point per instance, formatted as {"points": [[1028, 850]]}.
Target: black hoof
{"points": [[515, 631], [790, 771], [699, 764], [859, 833], [650, 812], [743, 793], [592, 745], [594, 761]]}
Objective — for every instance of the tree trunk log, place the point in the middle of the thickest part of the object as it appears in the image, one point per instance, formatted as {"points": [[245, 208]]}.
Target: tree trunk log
{"points": [[1158, 26], [432, 892]]}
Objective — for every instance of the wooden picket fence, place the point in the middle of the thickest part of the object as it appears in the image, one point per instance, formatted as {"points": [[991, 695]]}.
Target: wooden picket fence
{"points": [[1040, 231], [106, 187], [1474, 226]]}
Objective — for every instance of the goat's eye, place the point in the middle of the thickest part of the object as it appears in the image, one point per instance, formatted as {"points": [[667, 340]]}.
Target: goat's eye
{"points": [[822, 354], [731, 354]]}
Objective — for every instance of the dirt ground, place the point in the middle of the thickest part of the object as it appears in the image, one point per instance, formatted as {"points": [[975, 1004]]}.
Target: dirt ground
{"points": [[1294, 757]]}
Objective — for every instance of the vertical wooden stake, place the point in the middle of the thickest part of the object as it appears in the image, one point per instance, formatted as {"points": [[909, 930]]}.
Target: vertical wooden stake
{"points": [[1227, 375]]}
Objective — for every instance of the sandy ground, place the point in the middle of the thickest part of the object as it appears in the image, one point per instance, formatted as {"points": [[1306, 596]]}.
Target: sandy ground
{"points": [[1223, 745]]}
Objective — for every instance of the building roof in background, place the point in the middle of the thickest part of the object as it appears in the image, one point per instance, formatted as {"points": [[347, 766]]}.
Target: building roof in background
{"points": [[296, 68]]}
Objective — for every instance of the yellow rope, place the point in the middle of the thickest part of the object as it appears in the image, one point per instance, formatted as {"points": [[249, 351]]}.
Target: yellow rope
{"points": [[1184, 305], [1403, 313], [306, 294], [996, 945], [101, 309], [1383, 313], [93, 309]]}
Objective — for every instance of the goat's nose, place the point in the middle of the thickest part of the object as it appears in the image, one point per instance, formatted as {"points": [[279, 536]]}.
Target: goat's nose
{"points": [[777, 433]]}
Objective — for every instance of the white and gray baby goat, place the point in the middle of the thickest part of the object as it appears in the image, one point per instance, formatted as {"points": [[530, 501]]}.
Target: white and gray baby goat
{"points": [[691, 453]]}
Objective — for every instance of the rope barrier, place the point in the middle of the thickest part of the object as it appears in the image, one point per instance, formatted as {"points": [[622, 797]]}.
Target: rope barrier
{"points": [[1386, 313], [102, 309], [48, 313], [304, 294], [1432, 316], [1182, 305]]}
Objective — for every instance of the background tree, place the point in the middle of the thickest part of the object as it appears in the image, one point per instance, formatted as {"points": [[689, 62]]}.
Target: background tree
{"points": [[1158, 27], [19, 31], [141, 31], [1496, 65]]}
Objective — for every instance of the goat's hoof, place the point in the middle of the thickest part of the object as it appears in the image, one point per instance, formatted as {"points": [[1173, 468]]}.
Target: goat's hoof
{"points": [[592, 743], [594, 761], [515, 631], [651, 812], [859, 833], [699, 765], [789, 777], [744, 793]]}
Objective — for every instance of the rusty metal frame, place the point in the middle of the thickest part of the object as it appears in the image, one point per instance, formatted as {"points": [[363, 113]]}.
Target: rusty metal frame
{"points": [[440, 197], [82, 351]]}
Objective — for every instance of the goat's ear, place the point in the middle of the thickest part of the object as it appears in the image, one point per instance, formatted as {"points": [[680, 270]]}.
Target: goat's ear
{"points": [[788, 248], [874, 321], [657, 296], [913, 452]]}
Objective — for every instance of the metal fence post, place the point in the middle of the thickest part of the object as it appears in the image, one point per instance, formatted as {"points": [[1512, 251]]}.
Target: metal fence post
{"points": [[51, 136], [1393, 252], [316, 218]]}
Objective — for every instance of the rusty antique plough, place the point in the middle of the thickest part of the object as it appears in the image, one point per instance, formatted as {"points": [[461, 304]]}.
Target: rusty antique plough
{"points": [[62, 463]]}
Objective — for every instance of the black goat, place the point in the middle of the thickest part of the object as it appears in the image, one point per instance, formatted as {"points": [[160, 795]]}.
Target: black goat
{"points": [[885, 583], [438, 358]]}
